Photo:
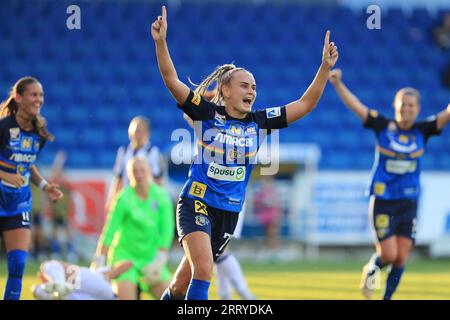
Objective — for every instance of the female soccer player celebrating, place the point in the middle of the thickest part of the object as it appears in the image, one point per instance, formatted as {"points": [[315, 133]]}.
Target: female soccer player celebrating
{"points": [[394, 188], [23, 133], [214, 193]]}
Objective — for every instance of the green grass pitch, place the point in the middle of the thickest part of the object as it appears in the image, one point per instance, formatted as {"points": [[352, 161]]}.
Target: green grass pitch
{"points": [[423, 279]]}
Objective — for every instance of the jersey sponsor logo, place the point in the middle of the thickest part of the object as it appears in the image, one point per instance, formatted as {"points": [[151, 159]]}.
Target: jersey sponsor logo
{"points": [[400, 166], [14, 134], [250, 130], [220, 120], [197, 189], [22, 170], [201, 221], [403, 138], [235, 141], [273, 112], [236, 130], [14, 145], [200, 207], [20, 157], [233, 155], [196, 99], [219, 172], [394, 145], [26, 143], [379, 188]]}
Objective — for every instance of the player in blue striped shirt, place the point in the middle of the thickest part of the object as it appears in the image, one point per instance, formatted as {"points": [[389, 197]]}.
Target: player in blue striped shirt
{"points": [[23, 133], [228, 138], [395, 186]]}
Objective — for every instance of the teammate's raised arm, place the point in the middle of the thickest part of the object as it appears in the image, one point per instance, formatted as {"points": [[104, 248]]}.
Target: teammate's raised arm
{"points": [[299, 108], [347, 97], [443, 118], [170, 77]]}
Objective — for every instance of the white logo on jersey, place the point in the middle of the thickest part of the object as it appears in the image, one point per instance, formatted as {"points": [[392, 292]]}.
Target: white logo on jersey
{"points": [[400, 166], [273, 112], [220, 120], [235, 141], [216, 171], [394, 145], [20, 157], [14, 134]]}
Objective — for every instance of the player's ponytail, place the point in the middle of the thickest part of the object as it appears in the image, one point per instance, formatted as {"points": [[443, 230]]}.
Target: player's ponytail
{"points": [[10, 107]]}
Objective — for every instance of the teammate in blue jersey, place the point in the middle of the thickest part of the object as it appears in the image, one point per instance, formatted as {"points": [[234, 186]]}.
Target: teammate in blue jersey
{"points": [[23, 133], [395, 187], [228, 138]]}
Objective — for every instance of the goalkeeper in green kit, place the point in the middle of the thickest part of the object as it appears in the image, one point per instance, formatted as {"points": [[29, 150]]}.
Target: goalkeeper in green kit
{"points": [[140, 229]]}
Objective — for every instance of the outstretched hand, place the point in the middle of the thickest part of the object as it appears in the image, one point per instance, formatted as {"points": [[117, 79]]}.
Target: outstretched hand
{"points": [[330, 53], [159, 27]]}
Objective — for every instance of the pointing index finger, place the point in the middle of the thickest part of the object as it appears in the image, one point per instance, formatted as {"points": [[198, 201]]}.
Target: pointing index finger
{"points": [[164, 13], [327, 39]]}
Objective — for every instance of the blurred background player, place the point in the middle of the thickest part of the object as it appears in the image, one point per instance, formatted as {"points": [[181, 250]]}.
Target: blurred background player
{"points": [[210, 201], [59, 213], [139, 133], [66, 281], [23, 133], [140, 229], [395, 187], [267, 210]]}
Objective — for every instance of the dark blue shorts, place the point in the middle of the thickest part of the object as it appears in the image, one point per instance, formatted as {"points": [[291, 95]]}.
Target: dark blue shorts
{"points": [[393, 218], [15, 222], [194, 215]]}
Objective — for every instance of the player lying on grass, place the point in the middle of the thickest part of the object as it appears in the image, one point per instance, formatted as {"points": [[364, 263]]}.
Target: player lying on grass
{"points": [[65, 281]]}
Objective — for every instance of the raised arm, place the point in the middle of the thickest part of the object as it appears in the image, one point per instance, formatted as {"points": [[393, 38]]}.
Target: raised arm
{"points": [[347, 97], [301, 107], [443, 118], [178, 89]]}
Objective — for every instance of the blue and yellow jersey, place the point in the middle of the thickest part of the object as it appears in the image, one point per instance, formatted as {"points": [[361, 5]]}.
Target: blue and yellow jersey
{"points": [[396, 170], [226, 151], [18, 151]]}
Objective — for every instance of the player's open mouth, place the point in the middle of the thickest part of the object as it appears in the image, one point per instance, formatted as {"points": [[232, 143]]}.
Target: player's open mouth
{"points": [[247, 101]]}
